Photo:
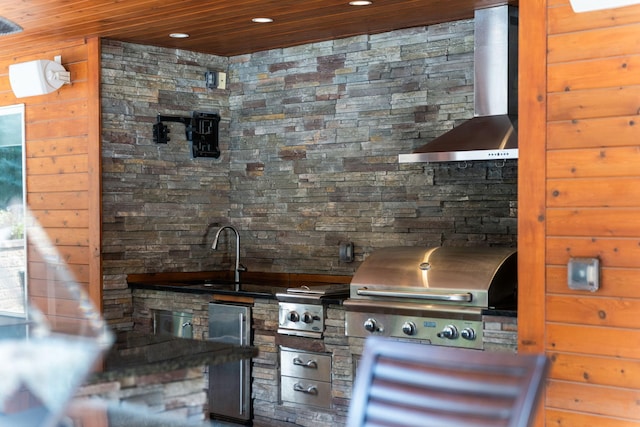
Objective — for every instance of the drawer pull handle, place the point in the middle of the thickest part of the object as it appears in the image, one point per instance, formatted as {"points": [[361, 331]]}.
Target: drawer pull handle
{"points": [[306, 390], [309, 364]]}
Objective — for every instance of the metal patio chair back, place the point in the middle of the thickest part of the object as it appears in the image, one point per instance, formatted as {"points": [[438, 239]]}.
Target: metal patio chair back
{"points": [[408, 384]]}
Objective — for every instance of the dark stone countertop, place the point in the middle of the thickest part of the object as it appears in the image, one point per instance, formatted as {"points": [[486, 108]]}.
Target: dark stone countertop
{"points": [[214, 287], [252, 285], [135, 354]]}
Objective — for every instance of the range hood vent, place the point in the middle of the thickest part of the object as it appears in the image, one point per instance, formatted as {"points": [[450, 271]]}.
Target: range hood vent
{"points": [[492, 132]]}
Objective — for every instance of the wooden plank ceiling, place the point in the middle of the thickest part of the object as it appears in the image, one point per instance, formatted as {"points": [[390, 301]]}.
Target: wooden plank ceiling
{"points": [[220, 27]]}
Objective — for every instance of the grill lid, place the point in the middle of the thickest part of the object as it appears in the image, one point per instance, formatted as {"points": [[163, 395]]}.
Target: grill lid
{"points": [[484, 277]]}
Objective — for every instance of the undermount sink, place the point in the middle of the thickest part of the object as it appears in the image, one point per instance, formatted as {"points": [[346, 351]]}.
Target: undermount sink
{"points": [[225, 286], [208, 282]]}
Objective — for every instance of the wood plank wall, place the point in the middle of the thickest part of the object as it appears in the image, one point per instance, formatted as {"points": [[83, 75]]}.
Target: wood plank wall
{"points": [[591, 209], [63, 182]]}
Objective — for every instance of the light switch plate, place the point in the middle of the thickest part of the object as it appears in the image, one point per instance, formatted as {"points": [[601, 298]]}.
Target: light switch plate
{"points": [[583, 274]]}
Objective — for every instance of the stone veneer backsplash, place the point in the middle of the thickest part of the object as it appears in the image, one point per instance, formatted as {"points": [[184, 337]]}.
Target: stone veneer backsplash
{"points": [[310, 137]]}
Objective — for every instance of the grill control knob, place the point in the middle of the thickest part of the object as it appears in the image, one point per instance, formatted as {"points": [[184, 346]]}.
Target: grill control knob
{"points": [[293, 316], [409, 328], [468, 334], [306, 317], [449, 332], [371, 325]]}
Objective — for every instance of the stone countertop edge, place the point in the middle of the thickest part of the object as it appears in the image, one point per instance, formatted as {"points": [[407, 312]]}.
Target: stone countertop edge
{"points": [[135, 354], [268, 293], [255, 284]]}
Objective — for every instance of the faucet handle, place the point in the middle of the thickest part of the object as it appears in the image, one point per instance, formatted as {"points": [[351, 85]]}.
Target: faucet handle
{"points": [[242, 267]]}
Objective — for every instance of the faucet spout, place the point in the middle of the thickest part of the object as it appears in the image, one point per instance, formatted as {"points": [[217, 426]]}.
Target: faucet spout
{"points": [[238, 267]]}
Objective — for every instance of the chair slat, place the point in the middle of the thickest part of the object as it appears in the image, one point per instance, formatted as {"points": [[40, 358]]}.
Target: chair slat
{"points": [[405, 384]]}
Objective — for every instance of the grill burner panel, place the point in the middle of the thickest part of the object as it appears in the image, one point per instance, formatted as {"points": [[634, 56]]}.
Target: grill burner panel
{"points": [[439, 331]]}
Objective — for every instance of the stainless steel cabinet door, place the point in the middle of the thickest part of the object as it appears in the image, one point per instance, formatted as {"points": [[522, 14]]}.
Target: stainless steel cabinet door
{"points": [[230, 383]]}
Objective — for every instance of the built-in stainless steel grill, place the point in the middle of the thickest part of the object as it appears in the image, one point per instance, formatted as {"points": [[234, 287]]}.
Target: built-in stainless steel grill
{"points": [[435, 294]]}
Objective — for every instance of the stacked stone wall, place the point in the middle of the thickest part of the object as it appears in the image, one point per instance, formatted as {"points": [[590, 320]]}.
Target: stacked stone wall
{"points": [[310, 137]]}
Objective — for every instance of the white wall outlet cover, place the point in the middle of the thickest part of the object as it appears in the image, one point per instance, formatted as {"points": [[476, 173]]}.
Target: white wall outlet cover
{"points": [[591, 5], [222, 80]]}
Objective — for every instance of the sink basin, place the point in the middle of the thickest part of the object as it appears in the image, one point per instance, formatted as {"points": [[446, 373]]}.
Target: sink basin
{"points": [[208, 283], [225, 287]]}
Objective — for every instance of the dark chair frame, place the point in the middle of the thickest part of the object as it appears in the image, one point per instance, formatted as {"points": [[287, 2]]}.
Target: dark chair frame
{"points": [[409, 384]]}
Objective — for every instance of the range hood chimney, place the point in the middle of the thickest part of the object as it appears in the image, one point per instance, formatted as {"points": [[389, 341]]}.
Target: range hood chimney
{"points": [[492, 132]]}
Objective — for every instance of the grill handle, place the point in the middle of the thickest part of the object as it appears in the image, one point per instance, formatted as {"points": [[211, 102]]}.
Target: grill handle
{"points": [[459, 297]]}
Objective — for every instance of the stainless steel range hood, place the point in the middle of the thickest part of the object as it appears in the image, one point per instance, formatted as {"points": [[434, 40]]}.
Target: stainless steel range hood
{"points": [[492, 132]]}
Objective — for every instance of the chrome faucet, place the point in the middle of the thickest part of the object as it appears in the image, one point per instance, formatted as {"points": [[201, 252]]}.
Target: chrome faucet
{"points": [[239, 267]]}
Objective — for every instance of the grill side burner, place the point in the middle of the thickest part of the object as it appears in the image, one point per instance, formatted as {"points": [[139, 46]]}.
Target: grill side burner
{"points": [[433, 294], [301, 311]]}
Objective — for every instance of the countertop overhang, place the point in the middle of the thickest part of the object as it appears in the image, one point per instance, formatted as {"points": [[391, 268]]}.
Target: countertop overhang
{"points": [[135, 354]]}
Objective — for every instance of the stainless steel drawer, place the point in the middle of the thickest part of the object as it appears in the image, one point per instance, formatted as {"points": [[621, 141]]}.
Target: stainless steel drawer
{"points": [[306, 392], [302, 364]]}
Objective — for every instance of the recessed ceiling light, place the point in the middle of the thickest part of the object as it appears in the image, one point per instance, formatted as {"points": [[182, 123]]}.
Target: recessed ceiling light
{"points": [[360, 3], [179, 35], [262, 20]]}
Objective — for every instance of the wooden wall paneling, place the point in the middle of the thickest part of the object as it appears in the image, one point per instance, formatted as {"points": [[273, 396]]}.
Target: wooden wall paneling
{"points": [[62, 218], [63, 255], [613, 252], [588, 369], [531, 163], [562, 19], [60, 183], [57, 305], [60, 200], [532, 102], [594, 103], [593, 310], [577, 419], [57, 147], [42, 275], [594, 192], [614, 281], [57, 164], [593, 222], [593, 74], [593, 43], [592, 210], [613, 403], [594, 340], [603, 162], [94, 154]]}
